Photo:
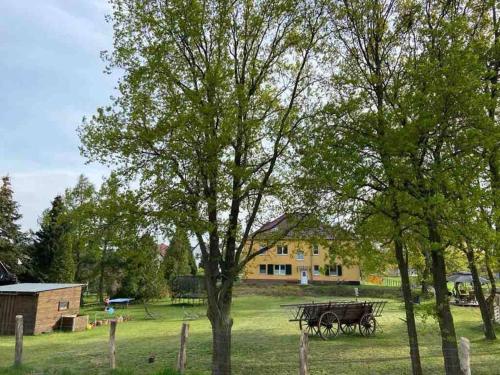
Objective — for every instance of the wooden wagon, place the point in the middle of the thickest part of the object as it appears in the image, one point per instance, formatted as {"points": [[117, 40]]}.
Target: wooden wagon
{"points": [[327, 319]]}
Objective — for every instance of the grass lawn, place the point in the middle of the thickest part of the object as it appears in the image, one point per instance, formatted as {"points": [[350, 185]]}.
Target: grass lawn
{"points": [[264, 342]]}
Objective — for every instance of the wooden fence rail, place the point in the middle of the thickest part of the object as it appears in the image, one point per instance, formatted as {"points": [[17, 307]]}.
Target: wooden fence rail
{"points": [[112, 344], [18, 360], [303, 354], [182, 357]]}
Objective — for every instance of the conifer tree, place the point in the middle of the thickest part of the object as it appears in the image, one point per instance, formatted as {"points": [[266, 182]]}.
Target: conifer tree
{"points": [[12, 240], [179, 260], [52, 254]]}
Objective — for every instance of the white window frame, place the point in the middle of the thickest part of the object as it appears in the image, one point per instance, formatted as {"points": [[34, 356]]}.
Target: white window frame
{"points": [[280, 269], [315, 249], [282, 247], [297, 255], [316, 272], [265, 269]]}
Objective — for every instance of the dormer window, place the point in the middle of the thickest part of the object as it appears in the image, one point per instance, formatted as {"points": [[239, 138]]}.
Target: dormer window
{"points": [[315, 250], [282, 250]]}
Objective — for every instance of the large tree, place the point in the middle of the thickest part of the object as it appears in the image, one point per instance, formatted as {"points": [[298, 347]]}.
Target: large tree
{"points": [[118, 226], [179, 259], [144, 277], [212, 96], [81, 203], [442, 111], [491, 147], [52, 254], [354, 155], [12, 240]]}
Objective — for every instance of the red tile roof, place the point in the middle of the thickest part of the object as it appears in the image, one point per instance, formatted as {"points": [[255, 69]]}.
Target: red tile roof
{"points": [[162, 249]]}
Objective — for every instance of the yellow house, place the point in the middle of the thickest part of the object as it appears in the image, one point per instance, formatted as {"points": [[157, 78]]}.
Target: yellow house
{"points": [[296, 256]]}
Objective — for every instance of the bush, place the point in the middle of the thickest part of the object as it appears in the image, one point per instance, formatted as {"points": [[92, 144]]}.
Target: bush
{"points": [[284, 290]]}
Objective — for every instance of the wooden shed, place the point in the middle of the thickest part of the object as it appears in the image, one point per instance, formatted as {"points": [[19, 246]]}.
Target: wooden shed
{"points": [[41, 305]]}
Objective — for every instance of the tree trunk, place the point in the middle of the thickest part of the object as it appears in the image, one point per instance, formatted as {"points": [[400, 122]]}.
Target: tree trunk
{"points": [[426, 274], [221, 346], [489, 329], [445, 318], [493, 286], [100, 291], [102, 270], [219, 314], [410, 316]]}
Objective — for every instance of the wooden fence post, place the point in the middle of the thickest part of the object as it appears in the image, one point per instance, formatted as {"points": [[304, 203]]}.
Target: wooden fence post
{"points": [[112, 346], [19, 341], [181, 358], [303, 346], [464, 351]]}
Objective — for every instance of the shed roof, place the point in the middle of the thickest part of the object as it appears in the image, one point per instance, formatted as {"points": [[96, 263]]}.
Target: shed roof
{"points": [[31, 288]]}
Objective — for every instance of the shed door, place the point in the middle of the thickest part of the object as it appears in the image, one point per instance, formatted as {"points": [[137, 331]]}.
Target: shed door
{"points": [[7, 314]]}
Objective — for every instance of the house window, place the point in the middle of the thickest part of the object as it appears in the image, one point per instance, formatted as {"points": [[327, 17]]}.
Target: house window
{"points": [[282, 250], [316, 270], [279, 269], [63, 305], [282, 269], [300, 255], [315, 250], [263, 269], [333, 270]]}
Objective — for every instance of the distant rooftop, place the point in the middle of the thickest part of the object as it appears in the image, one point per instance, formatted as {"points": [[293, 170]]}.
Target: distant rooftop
{"points": [[34, 287], [299, 226], [162, 249]]}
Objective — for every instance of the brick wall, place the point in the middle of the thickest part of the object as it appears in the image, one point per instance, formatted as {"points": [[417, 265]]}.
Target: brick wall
{"points": [[48, 313]]}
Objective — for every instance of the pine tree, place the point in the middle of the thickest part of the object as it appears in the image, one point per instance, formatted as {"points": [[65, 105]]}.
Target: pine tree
{"points": [[52, 253], [179, 258], [11, 237]]}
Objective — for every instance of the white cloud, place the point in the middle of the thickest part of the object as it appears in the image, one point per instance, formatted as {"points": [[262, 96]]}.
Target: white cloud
{"points": [[78, 23], [49, 52], [35, 190]]}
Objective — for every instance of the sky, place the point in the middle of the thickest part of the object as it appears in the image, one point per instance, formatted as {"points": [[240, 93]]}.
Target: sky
{"points": [[51, 75]]}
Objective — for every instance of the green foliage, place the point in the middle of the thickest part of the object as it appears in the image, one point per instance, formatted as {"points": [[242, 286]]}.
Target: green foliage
{"points": [[51, 253], [126, 249], [211, 98], [144, 277], [12, 240], [167, 371], [179, 259], [81, 203], [218, 102]]}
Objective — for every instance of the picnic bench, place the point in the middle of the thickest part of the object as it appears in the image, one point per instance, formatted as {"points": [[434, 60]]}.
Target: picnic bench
{"points": [[327, 319]]}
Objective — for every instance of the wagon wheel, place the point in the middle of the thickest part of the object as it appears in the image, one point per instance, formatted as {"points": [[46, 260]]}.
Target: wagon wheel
{"points": [[328, 325], [367, 325], [348, 328], [309, 327]]}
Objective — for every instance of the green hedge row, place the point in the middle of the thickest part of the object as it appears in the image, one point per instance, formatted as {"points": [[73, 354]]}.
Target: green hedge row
{"points": [[284, 290]]}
